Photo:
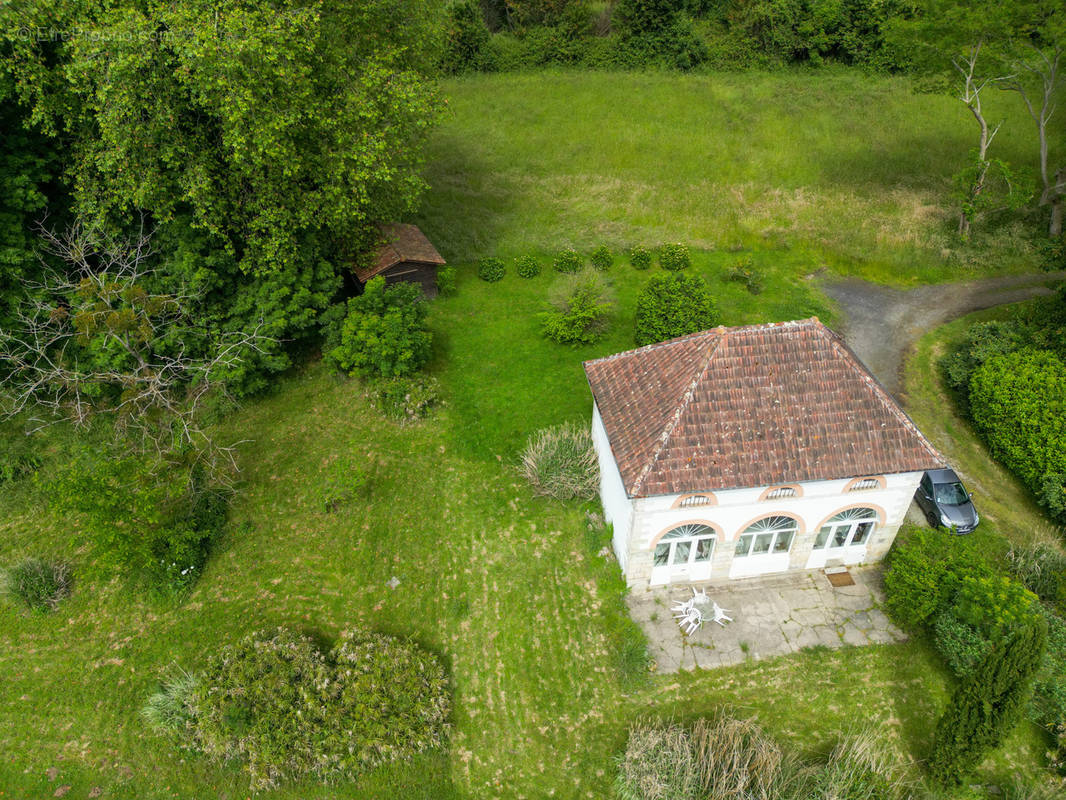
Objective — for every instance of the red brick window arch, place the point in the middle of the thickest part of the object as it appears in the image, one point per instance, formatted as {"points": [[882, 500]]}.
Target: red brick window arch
{"points": [[865, 484], [695, 500], [783, 492]]}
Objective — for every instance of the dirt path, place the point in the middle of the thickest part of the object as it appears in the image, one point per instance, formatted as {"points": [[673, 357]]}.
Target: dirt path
{"points": [[882, 323]]}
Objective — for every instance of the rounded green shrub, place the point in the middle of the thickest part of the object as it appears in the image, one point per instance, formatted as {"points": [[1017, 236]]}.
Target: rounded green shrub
{"points": [[39, 584], [527, 267], [601, 258], [640, 257], [674, 257], [490, 269], [568, 260], [287, 711], [560, 462], [383, 332], [960, 644], [674, 304]]}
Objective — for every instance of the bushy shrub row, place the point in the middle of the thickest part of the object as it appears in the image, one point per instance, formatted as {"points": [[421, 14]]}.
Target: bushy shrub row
{"points": [[724, 758], [1018, 403], [989, 629], [288, 711]]}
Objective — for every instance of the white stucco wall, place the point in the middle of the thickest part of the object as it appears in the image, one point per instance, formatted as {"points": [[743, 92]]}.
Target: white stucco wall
{"points": [[617, 507], [736, 509]]}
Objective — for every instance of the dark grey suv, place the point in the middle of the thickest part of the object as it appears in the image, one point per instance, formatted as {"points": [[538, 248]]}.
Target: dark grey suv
{"points": [[946, 502]]}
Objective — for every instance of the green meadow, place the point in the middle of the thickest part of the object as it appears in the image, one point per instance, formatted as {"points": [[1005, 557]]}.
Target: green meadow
{"points": [[795, 172]]}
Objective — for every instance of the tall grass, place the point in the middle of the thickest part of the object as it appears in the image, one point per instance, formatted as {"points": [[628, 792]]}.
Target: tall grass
{"points": [[37, 583], [560, 462], [784, 161]]}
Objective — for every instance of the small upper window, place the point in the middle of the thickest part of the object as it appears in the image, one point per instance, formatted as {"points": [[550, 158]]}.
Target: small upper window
{"points": [[780, 493], [865, 483], [694, 500]]}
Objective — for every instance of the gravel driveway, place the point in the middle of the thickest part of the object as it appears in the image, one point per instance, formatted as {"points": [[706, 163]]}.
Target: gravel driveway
{"points": [[881, 323]]}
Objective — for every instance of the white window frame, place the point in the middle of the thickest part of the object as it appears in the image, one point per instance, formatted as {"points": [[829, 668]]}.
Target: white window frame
{"points": [[691, 533], [774, 526]]}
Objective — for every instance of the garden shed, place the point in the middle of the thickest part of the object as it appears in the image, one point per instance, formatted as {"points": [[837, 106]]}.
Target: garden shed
{"points": [[738, 452], [404, 254]]}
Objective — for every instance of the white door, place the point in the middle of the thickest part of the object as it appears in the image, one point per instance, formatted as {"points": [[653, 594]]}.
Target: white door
{"points": [[843, 538], [683, 554], [764, 547]]}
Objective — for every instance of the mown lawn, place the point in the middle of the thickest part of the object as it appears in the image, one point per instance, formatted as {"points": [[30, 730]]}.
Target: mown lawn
{"points": [[510, 590], [844, 170]]}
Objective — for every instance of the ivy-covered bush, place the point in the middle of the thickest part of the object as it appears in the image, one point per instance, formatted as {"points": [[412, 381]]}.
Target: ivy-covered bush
{"points": [[490, 269], [527, 267], [568, 261], [581, 306], [674, 257], [407, 399], [601, 258], [1018, 403], [287, 711], [560, 462], [384, 332], [37, 583], [674, 304], [640, 257], [446, 281]]}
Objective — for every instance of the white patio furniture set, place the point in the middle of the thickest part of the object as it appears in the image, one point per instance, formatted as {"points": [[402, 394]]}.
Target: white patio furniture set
{"points": [[692, 613]]}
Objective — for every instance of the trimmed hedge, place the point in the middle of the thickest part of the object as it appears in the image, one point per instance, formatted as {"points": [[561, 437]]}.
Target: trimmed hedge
{"points": [[490, 269], [568, 261], [674, 304], [674, 257], [1018, 403], [640, 257], [601, 258], [526, 267]]}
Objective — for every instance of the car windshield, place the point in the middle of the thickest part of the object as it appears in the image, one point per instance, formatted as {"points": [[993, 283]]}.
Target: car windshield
{"points": [[950, 494]]}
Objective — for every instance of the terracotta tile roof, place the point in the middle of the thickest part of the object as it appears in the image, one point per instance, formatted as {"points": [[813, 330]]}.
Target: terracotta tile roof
{"points": [[750, 406], [400, 243]]}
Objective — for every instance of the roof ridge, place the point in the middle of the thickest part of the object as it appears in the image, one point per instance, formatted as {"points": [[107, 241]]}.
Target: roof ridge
{"points": [[881, 392], [679, 412], [719, 330]]}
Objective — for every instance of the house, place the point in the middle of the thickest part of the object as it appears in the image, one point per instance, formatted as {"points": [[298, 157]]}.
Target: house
{"points": [[745, 451], [404, 254]]}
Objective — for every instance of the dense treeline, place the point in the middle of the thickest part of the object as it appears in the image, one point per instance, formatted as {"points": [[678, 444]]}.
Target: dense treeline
{"points": [[259, 142]]}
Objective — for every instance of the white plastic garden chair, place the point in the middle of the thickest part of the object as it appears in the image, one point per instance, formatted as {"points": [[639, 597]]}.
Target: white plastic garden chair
{"points": [[720, 615]]}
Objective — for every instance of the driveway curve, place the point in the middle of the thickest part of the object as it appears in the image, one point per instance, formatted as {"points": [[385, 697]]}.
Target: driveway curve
{"points": [[882, 323]]}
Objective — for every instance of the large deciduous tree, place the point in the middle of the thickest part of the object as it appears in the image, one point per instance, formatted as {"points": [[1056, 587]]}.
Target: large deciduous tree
{"points": [[264, 139]]}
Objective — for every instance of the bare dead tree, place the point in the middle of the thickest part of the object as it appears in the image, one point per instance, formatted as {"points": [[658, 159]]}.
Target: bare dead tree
{"points": [[1043, 68], [971, 96], [92, 340]]}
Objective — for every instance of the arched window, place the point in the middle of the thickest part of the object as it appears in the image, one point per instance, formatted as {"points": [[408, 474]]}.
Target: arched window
{"points": [[780, 493], [686, 544], [866, 483], [692, 500], [852, 526], [767, 536]]}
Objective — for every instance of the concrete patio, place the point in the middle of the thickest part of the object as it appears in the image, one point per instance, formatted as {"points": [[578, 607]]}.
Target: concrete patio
{"points": [[773, 615]]}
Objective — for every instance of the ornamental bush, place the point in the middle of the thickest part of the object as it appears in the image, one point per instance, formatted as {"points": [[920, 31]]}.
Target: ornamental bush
{"points": [[960, 644], [674, 304], [568, 260], [985, 706], [287, 711], [674, 257], [640, 257], [490, 269], [384, 332], [38, 583], [744, 272], [601, 258], [580, 311], [1018, 403], [526, 267], [917, 583], [560, 462]]}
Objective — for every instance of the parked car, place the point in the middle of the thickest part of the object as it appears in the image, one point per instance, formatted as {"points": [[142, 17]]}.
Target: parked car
{"points": [[946, 502]]}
